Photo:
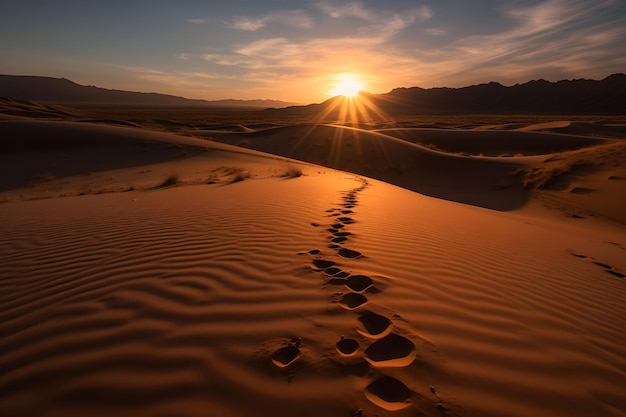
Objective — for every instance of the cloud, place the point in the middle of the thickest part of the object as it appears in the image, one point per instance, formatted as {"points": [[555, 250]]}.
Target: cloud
{"points": [[385, 24], [345, 11], [245, 23], [197, 21], [274, 64], [556, 38], [436, 32], [361, 46], [192, 84], [358, 11], [552, 39], [292, 18]]}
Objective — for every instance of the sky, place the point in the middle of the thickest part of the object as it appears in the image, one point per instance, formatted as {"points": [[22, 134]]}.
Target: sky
{"points": [[298, 50]]}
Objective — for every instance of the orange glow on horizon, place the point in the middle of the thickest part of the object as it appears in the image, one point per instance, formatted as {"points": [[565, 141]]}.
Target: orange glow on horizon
{"points": [[355, 110], [347, 86]]}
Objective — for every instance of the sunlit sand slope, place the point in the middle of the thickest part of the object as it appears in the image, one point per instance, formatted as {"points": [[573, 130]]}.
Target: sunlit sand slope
{"points": [[183, 301]]}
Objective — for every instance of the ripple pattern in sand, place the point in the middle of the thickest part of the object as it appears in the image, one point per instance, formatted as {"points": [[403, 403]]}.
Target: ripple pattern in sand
{"points": [[151, 303]]}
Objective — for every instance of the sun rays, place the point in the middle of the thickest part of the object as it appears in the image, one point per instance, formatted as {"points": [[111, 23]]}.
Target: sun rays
{"points": [[346, 121], [358, 110], [348, 86]]}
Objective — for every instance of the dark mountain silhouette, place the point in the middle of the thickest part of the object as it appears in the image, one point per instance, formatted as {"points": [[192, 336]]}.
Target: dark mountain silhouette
{"points": [[63, 91], [581, 96]]}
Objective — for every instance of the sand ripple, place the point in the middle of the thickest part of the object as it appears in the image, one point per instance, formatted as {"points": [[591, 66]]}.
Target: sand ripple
{"points": [[136, 303]]}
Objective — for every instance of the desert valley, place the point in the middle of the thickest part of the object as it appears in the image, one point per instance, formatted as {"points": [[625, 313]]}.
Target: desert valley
{"points": [[344, 259]]}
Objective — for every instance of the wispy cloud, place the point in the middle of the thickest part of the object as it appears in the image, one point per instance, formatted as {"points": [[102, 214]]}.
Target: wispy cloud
{"points": [[292, 18], [555, 37], [436, 31], [274, 64], [192, 84], [344, 11], [360, 45], [197, 21], [386, 22], [246, 23]]}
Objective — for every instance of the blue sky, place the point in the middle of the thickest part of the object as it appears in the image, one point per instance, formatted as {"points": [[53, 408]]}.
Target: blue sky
{"points": [[297, 50]]}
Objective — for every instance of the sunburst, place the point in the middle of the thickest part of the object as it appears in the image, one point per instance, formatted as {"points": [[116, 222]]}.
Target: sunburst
{"points": [[348, 86]]}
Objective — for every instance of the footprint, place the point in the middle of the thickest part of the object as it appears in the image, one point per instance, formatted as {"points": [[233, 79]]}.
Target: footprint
{"points": [[617, 274], [610, 270], [336, 281], [359, 283], [605, 266], [340, 239], [388, 393], [287, 355], [582, 190], [321, 264], [374, 325], [342, 234], [347, 347], [337, 226], [392, 350], [346, 220], [615, 244], [352, 300], [332, 271], [348, 253]]}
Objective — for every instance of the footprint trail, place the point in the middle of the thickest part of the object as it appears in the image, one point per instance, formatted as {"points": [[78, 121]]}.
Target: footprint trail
{"points": [[376, 340]]}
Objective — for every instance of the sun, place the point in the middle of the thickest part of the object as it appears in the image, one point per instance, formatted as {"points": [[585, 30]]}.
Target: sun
{"points": [[348, 86]]}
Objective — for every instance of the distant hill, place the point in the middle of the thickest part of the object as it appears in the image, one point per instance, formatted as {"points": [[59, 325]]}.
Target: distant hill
{"points": [[63, 91], [582, 96]]}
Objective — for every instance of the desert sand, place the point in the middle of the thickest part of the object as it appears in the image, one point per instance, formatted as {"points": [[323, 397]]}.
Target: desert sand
{"points": [[310, 269]]}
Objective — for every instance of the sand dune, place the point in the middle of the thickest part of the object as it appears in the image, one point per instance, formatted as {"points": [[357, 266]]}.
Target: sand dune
{"points": [[606, 130], [259, 285], [39, 158], [495, 143], [393, 160], [11, 109]]}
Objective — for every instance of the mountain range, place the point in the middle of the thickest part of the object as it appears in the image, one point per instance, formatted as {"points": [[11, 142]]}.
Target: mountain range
{"points": [[580, 96], [63, 91]]}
